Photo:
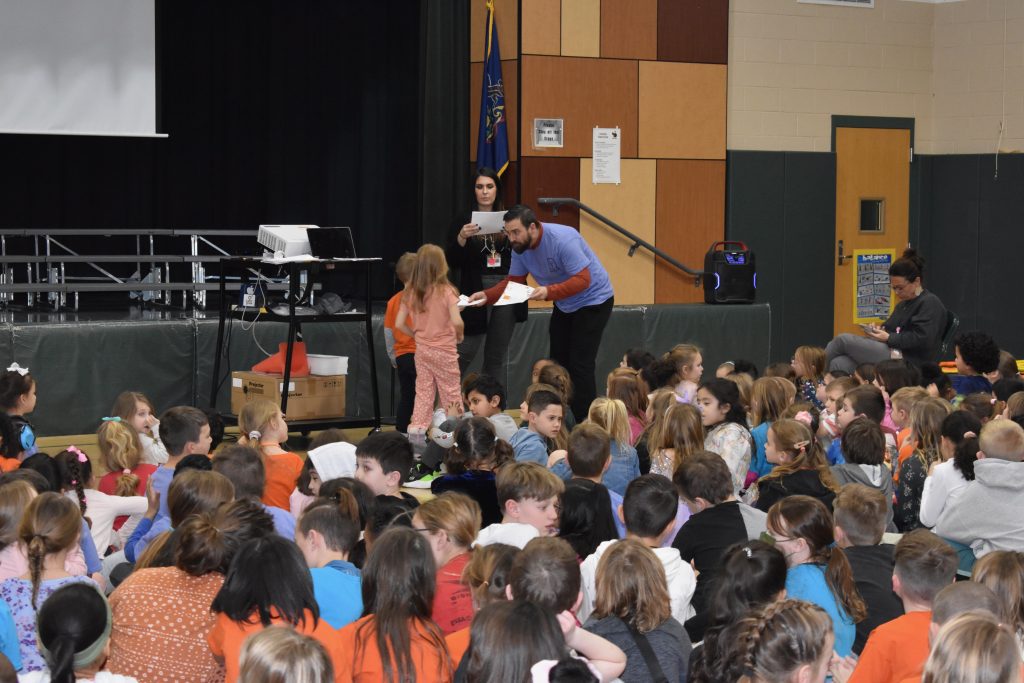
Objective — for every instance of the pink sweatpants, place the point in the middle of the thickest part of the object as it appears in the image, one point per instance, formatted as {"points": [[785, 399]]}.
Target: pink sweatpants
{"points": [[437, 372]]}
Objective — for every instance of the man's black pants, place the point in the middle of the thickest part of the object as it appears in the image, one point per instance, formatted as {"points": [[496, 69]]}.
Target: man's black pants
{"points": [[575, 339]]}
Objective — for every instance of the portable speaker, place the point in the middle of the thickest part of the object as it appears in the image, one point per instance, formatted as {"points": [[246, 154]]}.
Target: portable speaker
{"points": [[729, 274]]}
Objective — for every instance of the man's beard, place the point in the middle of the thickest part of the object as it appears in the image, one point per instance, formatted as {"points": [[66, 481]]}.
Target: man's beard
{"points": [[520, 248]]}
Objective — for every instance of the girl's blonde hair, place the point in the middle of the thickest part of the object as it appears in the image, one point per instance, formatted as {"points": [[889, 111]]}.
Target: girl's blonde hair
{"points": [[661, 400], [683, 356], [254, 421], [455, 514], [121, 452], [51, 524], [279, 654], [769, 398], [487, 572], [973, 648], [610, 415], [1003, 572], [14, 498], [926, 427], [812, 358], [631, 585], [776, 640], [430, 272], [681, 430], [795, 438], [745, 384], [907, 397]]}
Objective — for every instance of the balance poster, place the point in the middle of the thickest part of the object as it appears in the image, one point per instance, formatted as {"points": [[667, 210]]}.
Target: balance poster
{"points": [[872, 291]]}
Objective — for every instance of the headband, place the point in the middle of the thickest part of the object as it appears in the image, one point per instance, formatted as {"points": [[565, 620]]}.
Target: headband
{"points": [[111, 419], [91, 652]]}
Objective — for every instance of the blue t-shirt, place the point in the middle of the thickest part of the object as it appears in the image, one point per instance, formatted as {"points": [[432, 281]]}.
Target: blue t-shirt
{"points": [[284, 522], [759, 464], [337, 587], [529, 446], [161, 480], [807, 582], [562, 253]]}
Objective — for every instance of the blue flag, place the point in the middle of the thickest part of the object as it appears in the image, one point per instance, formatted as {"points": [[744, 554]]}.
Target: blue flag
{"points": [[492, 145]]}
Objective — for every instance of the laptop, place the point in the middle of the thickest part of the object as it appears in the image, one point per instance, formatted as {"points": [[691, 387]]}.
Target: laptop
{"points": [[327, 243]]}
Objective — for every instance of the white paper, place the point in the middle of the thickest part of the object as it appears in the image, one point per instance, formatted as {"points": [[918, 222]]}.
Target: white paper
{"points": [[298, 258], [464, 301], [607, 156], [490, 222], [514, 293]]}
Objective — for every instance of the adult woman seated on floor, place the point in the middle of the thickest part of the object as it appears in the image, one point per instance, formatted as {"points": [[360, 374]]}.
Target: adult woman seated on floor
{"points": [[914, 329]]}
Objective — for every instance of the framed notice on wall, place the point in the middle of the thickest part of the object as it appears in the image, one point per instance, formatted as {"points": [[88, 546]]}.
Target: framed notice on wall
{"points": [[872, 291]]}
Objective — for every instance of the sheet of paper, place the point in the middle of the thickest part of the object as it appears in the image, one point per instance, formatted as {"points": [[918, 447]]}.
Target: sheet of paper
{"points": [[514, 293], [464, 301], [299, 258], [490, 222], [607, 156]]}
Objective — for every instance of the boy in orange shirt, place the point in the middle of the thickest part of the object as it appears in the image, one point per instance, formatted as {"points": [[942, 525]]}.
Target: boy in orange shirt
{"points": [[903, 401], [925, 564], [401, 347]]}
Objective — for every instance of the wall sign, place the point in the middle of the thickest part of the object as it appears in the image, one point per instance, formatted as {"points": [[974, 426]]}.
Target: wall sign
{"points": [[547, 132], [872, 290]]}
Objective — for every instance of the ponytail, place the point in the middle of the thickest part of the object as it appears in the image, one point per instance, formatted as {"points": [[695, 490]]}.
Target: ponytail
{"points": [[51, 524], [36, 553], [839, 575], [127, 484], [75, 471], [62, 660], [120, 450]]}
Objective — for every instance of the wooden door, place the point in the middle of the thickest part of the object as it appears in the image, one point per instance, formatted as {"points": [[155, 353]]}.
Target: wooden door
{"points": [[872, 182]]}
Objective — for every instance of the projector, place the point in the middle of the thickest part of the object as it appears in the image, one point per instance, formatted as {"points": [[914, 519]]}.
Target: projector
{"points": [[290, 240]]}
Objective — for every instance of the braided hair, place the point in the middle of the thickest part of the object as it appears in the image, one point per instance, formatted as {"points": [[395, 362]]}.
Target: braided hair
{"points": [[74, 471], [51, 524], [776, 640]]}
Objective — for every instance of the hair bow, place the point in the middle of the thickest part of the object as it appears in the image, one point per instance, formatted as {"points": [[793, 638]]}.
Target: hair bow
{"points": [[255, 435], [82, 457], [749, 553], [14, 367], [805, 417], [112, 419], [126, 471]]}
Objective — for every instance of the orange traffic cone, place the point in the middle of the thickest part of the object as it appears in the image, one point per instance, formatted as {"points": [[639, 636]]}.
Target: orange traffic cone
{"points": [[275, 364]]}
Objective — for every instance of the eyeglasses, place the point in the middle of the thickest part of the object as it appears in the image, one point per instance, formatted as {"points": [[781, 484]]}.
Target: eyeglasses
{"points": [[766, 537]]}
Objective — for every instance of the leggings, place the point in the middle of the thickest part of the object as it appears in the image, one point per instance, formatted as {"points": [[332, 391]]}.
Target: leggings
{"points": [[437, 373]]}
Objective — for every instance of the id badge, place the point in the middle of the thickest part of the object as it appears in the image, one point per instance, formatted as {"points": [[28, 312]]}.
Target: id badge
{"points": [[494, 261]]}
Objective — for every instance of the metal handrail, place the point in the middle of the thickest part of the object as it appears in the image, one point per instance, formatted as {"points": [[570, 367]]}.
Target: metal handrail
{"points": [[555, 202]]}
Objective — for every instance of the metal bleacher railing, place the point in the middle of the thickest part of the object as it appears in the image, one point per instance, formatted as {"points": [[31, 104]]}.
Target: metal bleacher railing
{"points": [[47, 281]]}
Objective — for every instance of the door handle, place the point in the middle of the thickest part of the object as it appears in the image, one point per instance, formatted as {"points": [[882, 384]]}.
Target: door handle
{"points": [[841, 256]]}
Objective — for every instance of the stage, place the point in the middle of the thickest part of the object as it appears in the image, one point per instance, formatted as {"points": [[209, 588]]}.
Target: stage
{"points": [[82, 361]]}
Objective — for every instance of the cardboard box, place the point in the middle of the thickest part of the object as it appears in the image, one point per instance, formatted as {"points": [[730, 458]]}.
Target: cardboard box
{"points": [[309, 398]]}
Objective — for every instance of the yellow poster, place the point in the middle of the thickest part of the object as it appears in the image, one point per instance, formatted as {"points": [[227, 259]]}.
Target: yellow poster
{"points": [[872, 292]]}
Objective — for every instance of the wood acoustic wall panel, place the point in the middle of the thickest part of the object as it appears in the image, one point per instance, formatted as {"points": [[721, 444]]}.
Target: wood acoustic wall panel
{"points": [[510, 75], [632, 205], [552, 177], [690, 217], [693, 31], [584, 93], [629, 29], [542, 27], [506, 13], [581, 28], [682, 110]]}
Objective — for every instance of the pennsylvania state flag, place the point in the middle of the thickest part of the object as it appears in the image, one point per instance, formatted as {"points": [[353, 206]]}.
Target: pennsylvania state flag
{"points": [[492, 145]]}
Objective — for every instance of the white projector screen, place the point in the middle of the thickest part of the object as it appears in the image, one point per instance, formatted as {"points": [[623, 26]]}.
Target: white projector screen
{"points": [[81, 67]]}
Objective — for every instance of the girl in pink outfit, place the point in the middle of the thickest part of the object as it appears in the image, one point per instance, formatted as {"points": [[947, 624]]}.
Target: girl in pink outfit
{"points": [[14, 498], [437, 329]]}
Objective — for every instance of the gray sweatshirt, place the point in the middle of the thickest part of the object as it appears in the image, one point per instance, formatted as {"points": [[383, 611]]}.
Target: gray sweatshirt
{"points": [[669, 641], [873, 476], [987, 514]]}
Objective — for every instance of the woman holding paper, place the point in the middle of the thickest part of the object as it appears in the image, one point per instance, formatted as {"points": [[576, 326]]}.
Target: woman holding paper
{"points": [[483, 262]]}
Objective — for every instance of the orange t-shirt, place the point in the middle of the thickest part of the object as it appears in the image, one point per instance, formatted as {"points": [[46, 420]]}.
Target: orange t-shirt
{"points": [[9, 464], [432, 665], [433, 326], [906, 450], [403, 343], [227, 637], [895, 650], [283, 470], [458, 644]]}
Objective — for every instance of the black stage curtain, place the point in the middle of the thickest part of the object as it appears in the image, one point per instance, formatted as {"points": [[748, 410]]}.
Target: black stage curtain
{"points": [[278, 112]]}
